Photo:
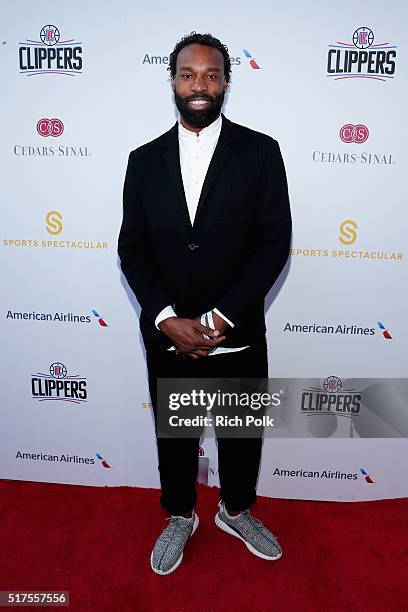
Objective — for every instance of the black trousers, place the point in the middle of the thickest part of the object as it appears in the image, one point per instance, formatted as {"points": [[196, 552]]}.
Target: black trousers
{"points": [[238, 458]]}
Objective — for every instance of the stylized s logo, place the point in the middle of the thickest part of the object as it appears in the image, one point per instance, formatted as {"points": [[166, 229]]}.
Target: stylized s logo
{"points": [[54, 222]]}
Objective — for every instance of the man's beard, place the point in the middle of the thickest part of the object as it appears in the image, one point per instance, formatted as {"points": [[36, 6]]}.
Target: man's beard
{"points": [[199, 118]]}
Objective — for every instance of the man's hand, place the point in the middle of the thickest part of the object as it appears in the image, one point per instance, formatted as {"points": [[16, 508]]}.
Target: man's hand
{"points": [[219, 322], [220, 325], [187, 336]]}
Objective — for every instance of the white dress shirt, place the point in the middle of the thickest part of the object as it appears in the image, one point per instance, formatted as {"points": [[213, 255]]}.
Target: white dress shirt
{"points": [[196, 151]]}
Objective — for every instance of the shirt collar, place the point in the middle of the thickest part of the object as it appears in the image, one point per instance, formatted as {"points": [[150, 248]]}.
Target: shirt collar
{"points": [[210, 131]]}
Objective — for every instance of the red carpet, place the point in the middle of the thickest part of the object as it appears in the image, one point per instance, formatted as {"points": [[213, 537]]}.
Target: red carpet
{"points": [[96, 543]]}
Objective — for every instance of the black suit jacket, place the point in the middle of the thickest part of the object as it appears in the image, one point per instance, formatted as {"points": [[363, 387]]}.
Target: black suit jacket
{"points": [[232, 254]]}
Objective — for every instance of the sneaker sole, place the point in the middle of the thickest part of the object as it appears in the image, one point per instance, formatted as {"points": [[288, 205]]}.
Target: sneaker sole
{"points": [[179, 560], [220, 523]]}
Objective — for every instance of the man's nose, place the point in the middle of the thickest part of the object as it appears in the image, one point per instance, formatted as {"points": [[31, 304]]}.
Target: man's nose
{"points": [[199, 84]]}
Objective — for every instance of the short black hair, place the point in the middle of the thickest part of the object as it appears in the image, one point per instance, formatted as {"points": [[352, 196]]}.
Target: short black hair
{"points": [[200, 39]]}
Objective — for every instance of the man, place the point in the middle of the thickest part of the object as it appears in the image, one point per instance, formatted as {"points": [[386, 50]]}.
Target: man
{"points": [[205, 234]]}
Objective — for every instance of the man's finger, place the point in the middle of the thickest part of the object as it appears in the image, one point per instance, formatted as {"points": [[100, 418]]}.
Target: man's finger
{"points": [[203, 343], [200, 352], [203, 329], [198, 343]]}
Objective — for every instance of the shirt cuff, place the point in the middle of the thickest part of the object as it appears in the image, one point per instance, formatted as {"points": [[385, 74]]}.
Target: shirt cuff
{"points": [[223, 317], [167, 312]]}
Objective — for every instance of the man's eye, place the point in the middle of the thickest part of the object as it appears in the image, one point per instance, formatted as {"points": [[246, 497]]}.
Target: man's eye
{"points": [[185, 76], [212, 76]]}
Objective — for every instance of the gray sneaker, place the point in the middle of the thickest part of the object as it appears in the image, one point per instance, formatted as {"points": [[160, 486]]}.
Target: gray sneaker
{"points": [[167, 553], [257, 538]]}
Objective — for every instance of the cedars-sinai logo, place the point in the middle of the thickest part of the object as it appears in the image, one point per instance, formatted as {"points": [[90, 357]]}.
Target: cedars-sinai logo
{"points": [[50, 127], [354, 133], [361, 58], [50, 54]]}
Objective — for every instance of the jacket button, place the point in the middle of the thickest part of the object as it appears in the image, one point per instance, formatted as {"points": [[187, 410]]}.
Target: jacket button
{"points": [[193, 246]]}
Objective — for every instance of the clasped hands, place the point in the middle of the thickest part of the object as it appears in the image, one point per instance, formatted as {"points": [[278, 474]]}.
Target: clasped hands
{"points": [[187, 335]]}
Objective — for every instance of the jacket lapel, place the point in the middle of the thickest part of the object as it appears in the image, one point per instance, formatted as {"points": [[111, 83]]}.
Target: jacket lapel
{"points": [[172, 159], [221, 154]]}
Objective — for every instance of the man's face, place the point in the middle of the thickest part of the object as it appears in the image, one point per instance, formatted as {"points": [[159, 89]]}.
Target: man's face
{"points": [[199, 85]]}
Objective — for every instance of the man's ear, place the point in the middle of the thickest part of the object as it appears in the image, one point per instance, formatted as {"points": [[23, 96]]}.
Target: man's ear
{"points": [[226, 83], [173, 83]]}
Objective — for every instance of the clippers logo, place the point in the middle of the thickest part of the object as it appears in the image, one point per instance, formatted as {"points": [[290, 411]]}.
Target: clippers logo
{"points": [[57, 385], [361, 58], [332, 384], [252, 61], [50, 127], [58, 370], [332, 398], [102, 460], [363, 38], [354, 133], [101, 322], [386, 334], [50, 35], [367, 476], [50, 54]]}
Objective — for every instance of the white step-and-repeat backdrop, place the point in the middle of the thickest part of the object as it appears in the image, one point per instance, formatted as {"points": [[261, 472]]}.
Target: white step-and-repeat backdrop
{"points": [[83, 83]]}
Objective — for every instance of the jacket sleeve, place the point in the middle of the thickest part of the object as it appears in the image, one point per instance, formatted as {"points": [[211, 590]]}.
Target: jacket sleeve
{"points": [[271, 244], [137, 258]]}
